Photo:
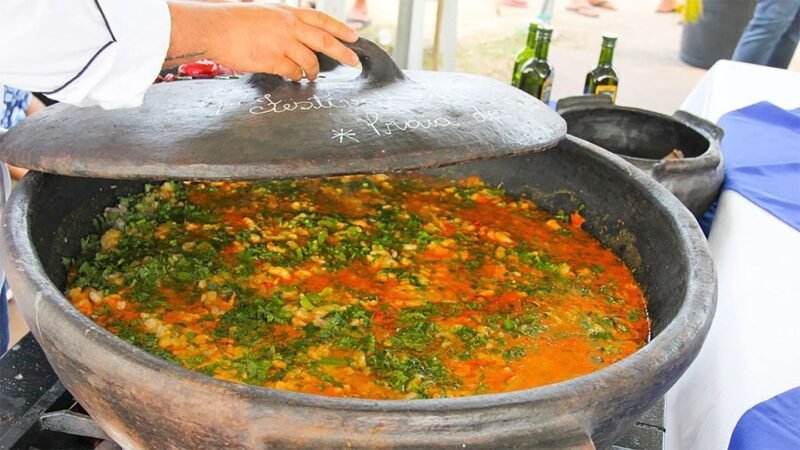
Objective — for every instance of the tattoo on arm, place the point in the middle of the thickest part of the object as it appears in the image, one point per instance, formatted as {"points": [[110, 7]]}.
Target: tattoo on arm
{"points": [[173, 61]]}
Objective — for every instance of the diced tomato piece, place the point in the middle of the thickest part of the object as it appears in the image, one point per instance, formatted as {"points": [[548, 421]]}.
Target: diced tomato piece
{"points": [[576, 219]]}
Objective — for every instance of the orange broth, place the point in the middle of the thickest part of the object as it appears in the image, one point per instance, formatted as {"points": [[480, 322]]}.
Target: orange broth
{"points": [[362, 286]]}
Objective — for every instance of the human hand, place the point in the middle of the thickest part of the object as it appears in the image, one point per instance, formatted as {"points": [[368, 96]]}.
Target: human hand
{"points": [[265, 38]]}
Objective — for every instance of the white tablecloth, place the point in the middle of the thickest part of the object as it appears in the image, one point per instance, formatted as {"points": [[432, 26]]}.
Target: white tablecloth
{"points": [[752, 352]]}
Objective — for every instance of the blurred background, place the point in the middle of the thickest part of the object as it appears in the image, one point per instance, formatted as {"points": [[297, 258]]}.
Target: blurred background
{"points": [[487, 34]]}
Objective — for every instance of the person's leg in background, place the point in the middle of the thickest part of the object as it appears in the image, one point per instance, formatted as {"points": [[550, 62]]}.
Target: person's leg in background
{"points": [[787, 45], [582, 7], [771, 20], [5, 322]]}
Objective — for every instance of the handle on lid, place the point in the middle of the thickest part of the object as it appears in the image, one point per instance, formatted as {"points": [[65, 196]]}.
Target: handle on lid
{"points": [[377, 66]]}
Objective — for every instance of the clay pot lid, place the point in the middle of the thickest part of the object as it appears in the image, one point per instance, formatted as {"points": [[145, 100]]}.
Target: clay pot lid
{"points": [[262, 126]]}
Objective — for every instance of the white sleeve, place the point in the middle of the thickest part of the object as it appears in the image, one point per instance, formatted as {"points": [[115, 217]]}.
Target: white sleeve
{"points": [[84, 52]]}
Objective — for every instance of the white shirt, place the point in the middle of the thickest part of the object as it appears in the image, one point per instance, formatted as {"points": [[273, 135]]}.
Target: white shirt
{"points": [[84, 52]]}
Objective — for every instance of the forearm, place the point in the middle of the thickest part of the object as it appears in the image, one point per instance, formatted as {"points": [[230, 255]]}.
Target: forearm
{"points": [[190, 34], [268, 38]]}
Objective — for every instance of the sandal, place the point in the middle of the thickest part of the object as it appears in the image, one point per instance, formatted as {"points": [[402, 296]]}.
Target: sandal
{"points": [[667, 6], [587, 11], [605, 4]]}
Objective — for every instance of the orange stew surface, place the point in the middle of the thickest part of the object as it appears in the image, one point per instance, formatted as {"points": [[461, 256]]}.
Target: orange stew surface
{"points": [[380, 287]]}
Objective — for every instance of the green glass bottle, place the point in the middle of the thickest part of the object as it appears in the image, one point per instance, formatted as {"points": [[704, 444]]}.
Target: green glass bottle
{"points": [[525, 54], [538, 73], [603, 79]]}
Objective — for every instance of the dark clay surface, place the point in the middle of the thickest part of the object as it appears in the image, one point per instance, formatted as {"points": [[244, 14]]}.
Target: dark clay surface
{"points": [[144, 402], [262, 126]]}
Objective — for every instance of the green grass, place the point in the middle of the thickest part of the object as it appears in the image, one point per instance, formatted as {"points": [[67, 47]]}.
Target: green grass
{"points": [[493, 58]]}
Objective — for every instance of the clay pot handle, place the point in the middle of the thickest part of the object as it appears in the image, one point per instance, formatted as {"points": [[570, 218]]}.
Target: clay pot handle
{"points": [[377, 66], [699, 124]]}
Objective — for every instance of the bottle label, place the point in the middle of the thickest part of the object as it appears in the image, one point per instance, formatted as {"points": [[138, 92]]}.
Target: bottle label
{"points": [[609, 90]]}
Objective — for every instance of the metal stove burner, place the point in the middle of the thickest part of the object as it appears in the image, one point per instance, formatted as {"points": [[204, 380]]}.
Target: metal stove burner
{"points": [[71, 422], [36, 412]]}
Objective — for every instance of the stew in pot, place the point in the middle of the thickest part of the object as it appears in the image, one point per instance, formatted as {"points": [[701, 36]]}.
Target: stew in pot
{"points": [[380, 287]]}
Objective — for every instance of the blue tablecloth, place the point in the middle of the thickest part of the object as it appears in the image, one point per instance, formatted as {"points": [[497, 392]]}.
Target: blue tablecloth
{"points": [[761, 151], [773, 424]]}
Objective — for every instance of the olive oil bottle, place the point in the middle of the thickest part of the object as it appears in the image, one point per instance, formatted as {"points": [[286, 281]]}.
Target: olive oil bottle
{"points": [[538, 73], [525, 54], [603, 79]]}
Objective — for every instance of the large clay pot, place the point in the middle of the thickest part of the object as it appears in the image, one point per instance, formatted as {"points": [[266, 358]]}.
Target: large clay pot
{"points": [[484, 128], [142, 401]]}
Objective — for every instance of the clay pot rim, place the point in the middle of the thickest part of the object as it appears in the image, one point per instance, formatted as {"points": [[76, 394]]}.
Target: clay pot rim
{"points": [[704, 128]]}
